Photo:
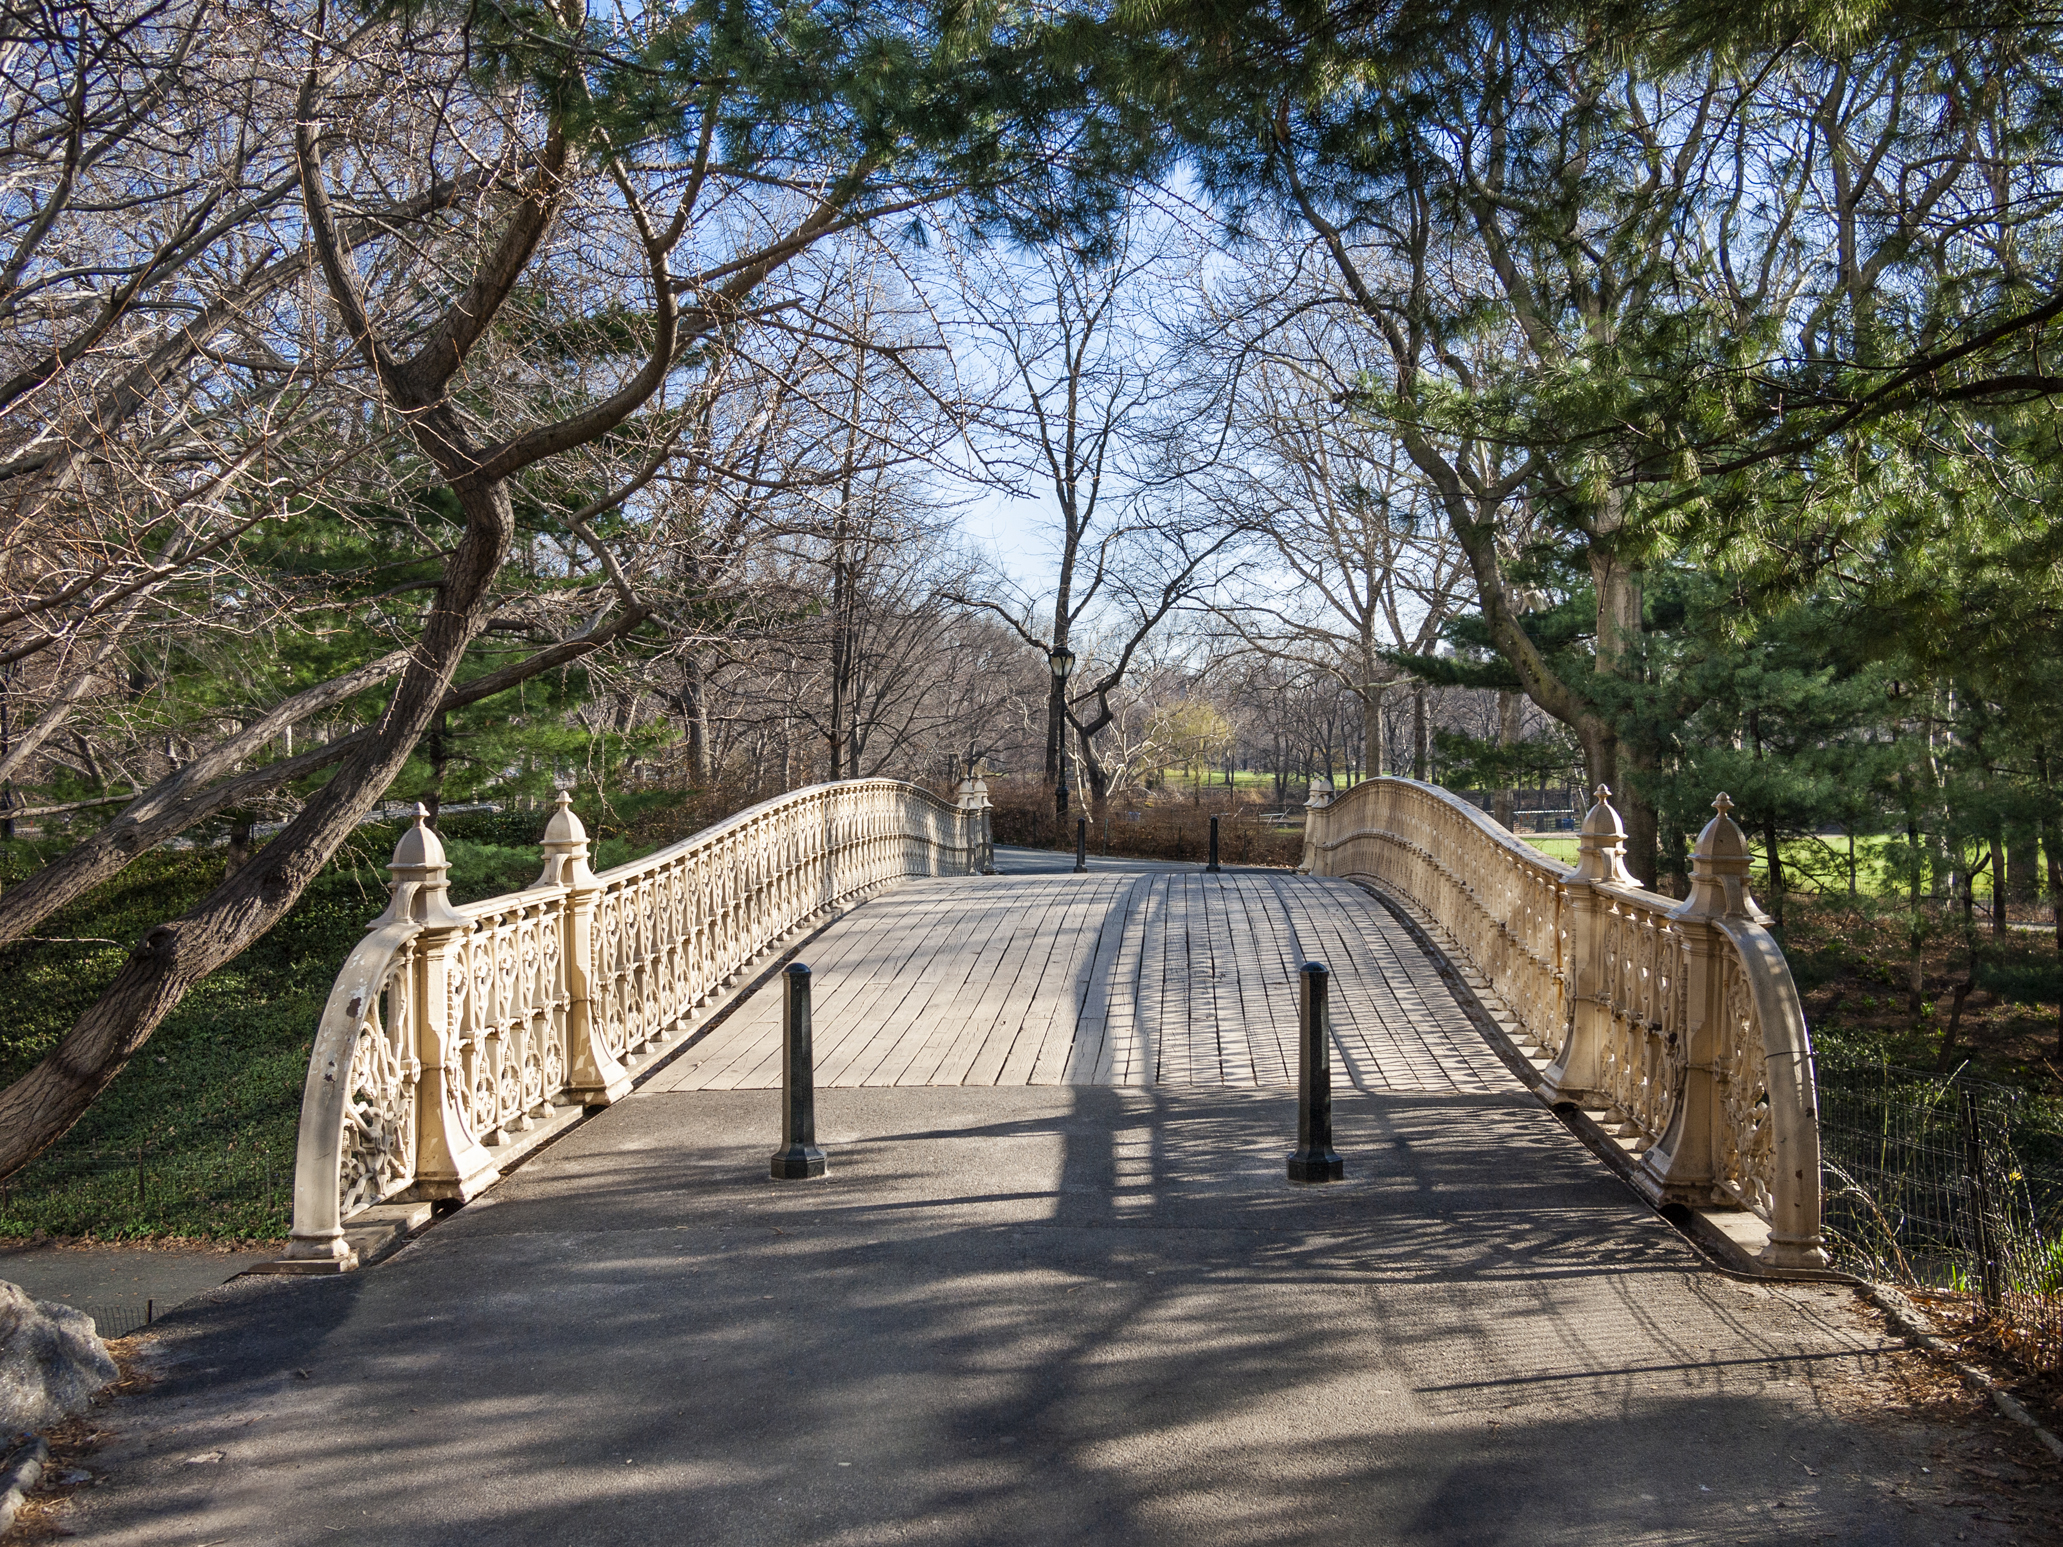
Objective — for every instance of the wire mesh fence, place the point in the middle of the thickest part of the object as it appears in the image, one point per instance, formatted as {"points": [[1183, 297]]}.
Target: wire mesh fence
{"points": [[142, 1193], [1951, 1184], [117, 1318]]}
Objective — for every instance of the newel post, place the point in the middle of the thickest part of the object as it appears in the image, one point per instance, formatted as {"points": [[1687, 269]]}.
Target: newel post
{"points": [[1317, 826], [1684, 1164], [974, 817], [450, 1160], [1600, 862], [594, 1077], [1789, 1098]]}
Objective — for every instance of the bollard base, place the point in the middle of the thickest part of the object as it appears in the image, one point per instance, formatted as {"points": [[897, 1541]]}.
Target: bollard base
{"points": [[796, 1163], [1324, 1166]]}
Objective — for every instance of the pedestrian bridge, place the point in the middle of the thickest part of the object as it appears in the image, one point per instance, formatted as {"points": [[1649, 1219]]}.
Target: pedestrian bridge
{"points": [[459, 1039]]}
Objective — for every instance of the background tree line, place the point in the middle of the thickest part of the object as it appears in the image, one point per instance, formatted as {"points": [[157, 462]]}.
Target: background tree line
{"points": [[447, 403]]}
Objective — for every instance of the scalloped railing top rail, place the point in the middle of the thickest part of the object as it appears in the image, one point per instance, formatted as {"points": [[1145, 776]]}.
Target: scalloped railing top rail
{"points": [[456, 1037], [1678, 1020]]}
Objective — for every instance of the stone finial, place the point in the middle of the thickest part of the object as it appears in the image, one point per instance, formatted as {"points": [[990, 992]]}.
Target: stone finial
{"points": [[1601, 846], [565, 825], [1719, 870], [565, 848], [974, 793], [1321, 793], [421, 888]]}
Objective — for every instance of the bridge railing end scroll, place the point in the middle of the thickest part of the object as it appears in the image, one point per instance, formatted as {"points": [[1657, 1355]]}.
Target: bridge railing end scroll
{"points": [[1677, 1020]]}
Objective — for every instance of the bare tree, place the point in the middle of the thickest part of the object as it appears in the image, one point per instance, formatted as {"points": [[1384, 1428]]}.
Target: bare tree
{"points": [[1075, 334], [628, 257], [1353, 564]]}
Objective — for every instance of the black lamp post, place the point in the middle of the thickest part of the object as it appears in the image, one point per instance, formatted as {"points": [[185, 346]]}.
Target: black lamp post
{"points": [[1062, 662]]}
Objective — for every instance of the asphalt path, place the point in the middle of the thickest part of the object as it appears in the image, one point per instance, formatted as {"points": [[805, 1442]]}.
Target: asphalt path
{"points": [[120, 1286], [1031, 1315]]}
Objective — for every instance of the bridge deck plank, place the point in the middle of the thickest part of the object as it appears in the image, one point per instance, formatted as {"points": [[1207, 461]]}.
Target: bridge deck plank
{"points": [[1113, 978], [916, 1059], [995, 1023]]}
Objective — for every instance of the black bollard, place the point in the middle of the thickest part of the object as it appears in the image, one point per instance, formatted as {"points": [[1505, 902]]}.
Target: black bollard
{"points": [[1081, 844], [798, 1155], [1313, 1159], [1212, 867]]}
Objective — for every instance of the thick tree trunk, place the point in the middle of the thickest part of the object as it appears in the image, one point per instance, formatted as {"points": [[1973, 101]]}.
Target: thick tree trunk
{"points": [[1097, 777], [1507, 737], [2023, 866], [694, 707], [1643, 825], [1600, 761], [1375, 716]]}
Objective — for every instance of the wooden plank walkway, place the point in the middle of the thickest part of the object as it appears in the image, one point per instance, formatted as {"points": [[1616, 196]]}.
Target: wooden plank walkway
{"points": [[1110, 978]]}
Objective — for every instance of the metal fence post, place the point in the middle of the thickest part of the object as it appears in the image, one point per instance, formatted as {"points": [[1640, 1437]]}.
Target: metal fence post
{"points": [[1980, 1197], [1081, 844], [1212, 867], [1313, 1160], [798, 1156]]}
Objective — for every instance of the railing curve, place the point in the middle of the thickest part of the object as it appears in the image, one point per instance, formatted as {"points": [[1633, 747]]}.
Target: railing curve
{"points": [[455, 1037], [1678, 1020]]}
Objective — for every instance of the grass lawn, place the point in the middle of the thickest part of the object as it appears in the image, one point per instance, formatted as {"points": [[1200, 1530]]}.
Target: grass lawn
{"points": [[1556, 846]]}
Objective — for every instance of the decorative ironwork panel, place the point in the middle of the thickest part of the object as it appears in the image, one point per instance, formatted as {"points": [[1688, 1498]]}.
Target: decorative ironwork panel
{"points": [[379, 1130]]}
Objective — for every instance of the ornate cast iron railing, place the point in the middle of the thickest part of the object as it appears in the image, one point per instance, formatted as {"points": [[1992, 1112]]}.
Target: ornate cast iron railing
{"points": [[1678, 1019], [454, 1032]]}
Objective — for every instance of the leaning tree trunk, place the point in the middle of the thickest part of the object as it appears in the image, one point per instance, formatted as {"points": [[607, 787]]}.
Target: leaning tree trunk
{"points": [[37, 1109]]}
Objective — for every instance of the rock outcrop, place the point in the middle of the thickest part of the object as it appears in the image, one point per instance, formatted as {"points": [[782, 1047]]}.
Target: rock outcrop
{"points": [[51, 1361]]}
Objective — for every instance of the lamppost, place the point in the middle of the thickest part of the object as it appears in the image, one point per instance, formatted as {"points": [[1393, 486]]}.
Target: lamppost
{"points": [[1062, 662]]}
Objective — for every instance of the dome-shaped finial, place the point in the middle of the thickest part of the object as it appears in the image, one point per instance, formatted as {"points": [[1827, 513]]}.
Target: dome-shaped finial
{"points": [[419, 846], [1719, 869], [1601, 845], [565, 847], [420, 889]]}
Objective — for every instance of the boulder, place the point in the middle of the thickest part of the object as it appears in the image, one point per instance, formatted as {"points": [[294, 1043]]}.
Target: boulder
{"points": [[51, 1361]]}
